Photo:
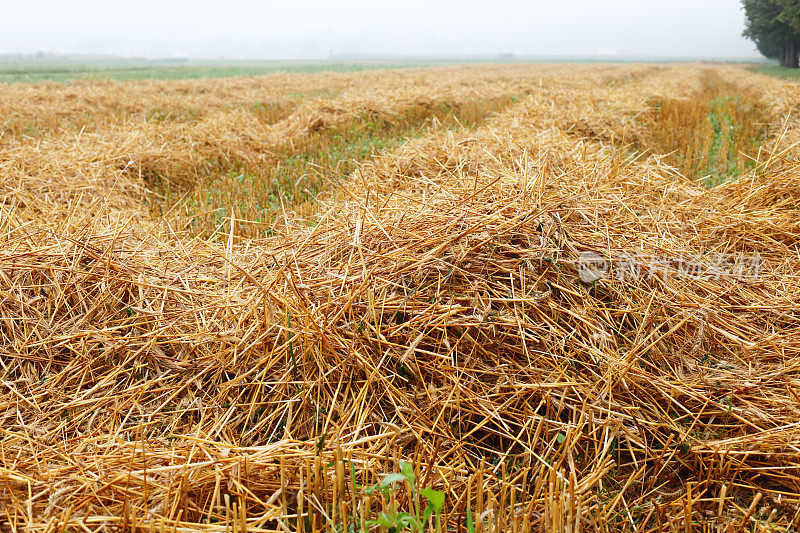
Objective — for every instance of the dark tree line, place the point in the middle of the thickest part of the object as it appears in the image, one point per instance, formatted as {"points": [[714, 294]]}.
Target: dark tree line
{"points": [[774, 25]]}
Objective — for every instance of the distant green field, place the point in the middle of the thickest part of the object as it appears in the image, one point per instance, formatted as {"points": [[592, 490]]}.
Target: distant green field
{"points": [[66, 71], [792, 74], [27, 69]]}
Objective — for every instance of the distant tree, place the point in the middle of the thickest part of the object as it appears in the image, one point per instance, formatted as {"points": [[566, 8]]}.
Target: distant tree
{"points": [[790, 14], [774, 25]]}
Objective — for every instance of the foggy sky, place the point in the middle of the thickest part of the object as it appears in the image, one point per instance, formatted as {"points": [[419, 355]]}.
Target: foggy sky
{"points": [[314, 28]]}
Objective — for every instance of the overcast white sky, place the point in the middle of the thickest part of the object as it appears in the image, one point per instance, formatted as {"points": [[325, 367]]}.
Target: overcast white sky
{"points": [[314, 28]]}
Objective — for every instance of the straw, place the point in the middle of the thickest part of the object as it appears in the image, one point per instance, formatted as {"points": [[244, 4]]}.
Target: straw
{"points": [[431, 310]]}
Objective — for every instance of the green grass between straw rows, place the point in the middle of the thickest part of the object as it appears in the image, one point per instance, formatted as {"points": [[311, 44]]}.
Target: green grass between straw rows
{"points": [[256, 197]]}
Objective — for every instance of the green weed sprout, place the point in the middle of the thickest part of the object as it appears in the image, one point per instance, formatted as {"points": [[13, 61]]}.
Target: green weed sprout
{"points": [[395, 520]]}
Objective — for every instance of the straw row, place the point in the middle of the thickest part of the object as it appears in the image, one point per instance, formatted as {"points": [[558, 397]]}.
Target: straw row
{"points": [[431, 312]]}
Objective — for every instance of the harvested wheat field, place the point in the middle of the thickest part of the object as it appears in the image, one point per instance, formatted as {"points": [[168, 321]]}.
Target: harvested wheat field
{"points": [[476, 298]]}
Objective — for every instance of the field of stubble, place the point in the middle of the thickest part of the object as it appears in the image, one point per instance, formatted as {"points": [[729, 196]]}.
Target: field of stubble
{"points": [[360, 301]]}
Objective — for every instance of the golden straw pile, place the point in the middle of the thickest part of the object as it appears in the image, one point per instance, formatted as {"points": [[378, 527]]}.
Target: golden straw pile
{"points": [[434, 308]]}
